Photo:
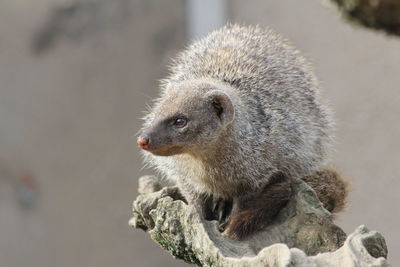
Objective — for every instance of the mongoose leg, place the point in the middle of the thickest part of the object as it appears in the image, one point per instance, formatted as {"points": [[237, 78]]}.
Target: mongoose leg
{"points": [[222, 210], [212, 208], [251, 213], [208, 206], [203, 205]]}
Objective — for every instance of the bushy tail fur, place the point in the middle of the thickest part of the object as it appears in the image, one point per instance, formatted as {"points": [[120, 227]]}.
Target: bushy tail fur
{"points": [[330, 188]]}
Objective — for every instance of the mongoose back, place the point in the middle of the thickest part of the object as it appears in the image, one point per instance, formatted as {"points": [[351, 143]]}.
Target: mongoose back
{"points": [[238, 117]]}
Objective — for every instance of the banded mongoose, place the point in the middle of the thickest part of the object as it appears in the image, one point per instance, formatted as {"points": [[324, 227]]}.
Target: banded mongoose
{"points": [[238, 118]]}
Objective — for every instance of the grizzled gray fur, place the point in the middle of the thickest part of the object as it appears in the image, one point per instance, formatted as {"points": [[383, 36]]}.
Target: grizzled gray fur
{"points": [[239, 112]]}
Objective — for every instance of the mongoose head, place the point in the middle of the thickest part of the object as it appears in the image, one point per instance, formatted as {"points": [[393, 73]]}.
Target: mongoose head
{"points": [[189, 117]]}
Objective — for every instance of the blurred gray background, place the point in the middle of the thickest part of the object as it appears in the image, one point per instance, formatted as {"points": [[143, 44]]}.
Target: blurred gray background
{"points": [[75, 77]]}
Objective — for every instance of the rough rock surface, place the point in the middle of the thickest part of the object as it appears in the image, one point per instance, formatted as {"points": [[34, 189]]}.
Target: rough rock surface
{"points": [[301, 231]]}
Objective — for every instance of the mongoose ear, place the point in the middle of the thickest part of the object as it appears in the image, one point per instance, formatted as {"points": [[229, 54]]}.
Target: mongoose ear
{"points": [[222, 105]]}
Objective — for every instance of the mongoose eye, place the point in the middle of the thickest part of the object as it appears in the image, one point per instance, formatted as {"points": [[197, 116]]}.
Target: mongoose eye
{"points": [[180, 122]]}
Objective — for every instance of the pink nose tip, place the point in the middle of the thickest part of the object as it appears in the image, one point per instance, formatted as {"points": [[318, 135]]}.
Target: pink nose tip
{"points": [[143, 142]]}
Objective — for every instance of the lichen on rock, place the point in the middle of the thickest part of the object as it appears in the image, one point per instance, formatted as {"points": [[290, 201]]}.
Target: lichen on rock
{"points": [[303, 233]]}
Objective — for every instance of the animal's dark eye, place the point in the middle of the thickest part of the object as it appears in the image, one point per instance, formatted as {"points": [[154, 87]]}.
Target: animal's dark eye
{"points": [[180, 122]]}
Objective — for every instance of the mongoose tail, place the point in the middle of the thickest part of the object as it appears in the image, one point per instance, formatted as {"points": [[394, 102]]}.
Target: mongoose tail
{"points": [[330, 187]]}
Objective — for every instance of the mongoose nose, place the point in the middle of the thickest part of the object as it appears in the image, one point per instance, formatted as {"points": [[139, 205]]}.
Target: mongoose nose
{"points": [[143, 142]]}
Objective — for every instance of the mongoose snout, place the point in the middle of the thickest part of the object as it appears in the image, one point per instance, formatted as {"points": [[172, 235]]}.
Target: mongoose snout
{"points": [[159, 140], [143, 142]]}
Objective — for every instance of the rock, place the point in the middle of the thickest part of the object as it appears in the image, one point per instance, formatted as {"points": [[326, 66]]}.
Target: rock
{"points": [[302, 234]]}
